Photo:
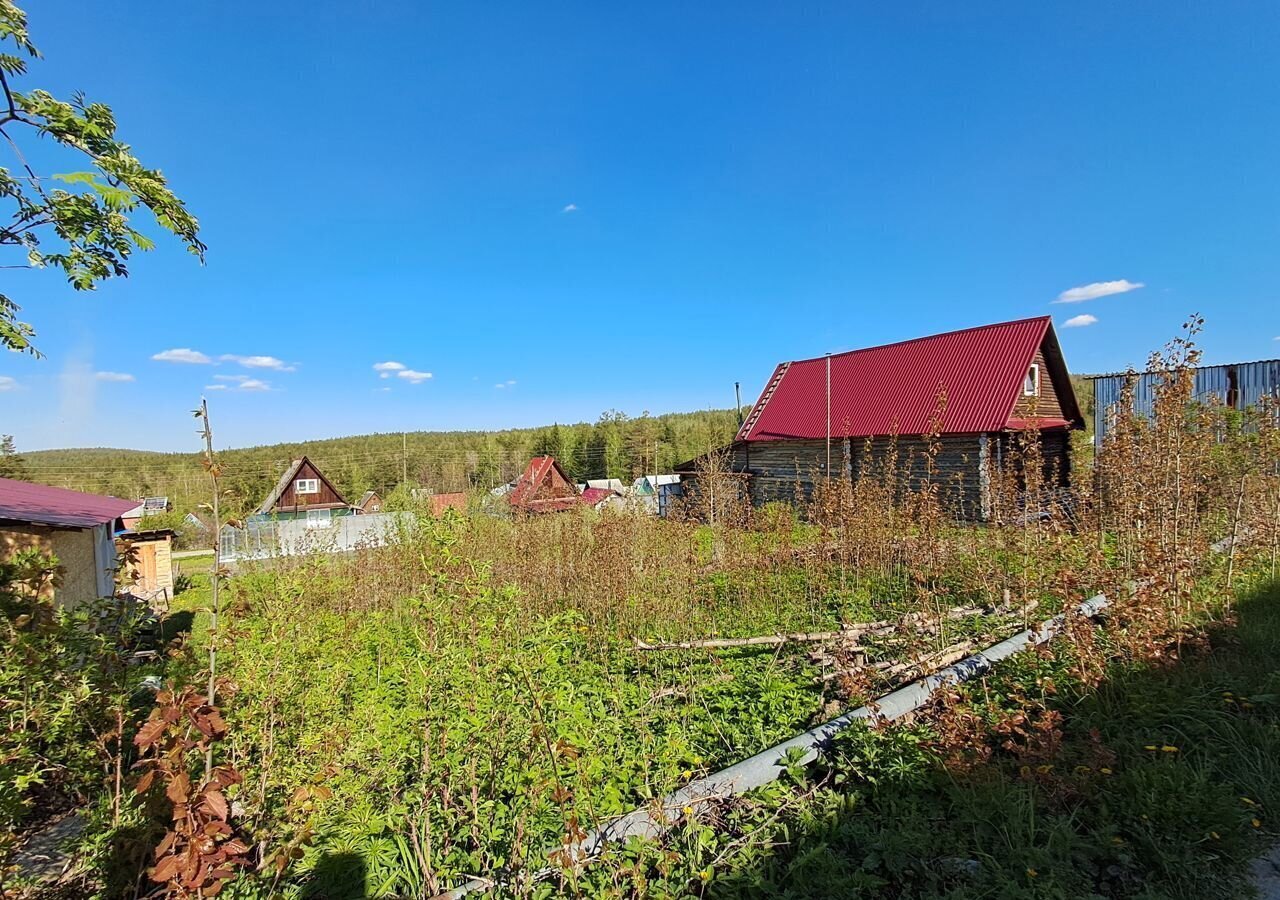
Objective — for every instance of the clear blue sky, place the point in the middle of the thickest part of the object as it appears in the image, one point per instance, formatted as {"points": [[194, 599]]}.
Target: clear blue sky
{"points": [[388, 182]]}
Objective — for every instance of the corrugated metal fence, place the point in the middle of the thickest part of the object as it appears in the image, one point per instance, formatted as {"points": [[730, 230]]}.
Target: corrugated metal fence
{"points": [[1239, 386], [268, 538]]}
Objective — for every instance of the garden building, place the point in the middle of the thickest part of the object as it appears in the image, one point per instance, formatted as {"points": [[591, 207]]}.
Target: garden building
{"points": [[77, 528], [304, 493], [978, 391]]}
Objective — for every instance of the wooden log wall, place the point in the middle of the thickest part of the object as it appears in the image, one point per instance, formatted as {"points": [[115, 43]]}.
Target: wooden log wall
{"points": [[787, 471]]}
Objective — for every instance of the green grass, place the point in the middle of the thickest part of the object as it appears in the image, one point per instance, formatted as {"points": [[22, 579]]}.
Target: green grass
{"points": [[1165, 783]]}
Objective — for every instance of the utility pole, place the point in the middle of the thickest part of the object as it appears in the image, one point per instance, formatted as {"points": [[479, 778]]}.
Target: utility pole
{"points": [[828, 417], [211, 466]]}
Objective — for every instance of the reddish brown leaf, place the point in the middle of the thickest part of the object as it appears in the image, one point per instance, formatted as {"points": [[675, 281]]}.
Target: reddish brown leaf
{"points": [[216, 803], [178, 789], [165, 869]]}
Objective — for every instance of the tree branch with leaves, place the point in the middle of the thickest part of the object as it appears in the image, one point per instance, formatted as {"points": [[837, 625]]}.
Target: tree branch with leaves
{"points": [[82, 225]]}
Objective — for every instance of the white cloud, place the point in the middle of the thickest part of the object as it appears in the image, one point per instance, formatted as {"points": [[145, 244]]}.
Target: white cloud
{"points": [[1080, 321], [113, 376], [386, 369], [1098, 289], [571, 207], [238, 383], [182, 355], [259, 362], [412, 376], [510, 382], [8, 384]]}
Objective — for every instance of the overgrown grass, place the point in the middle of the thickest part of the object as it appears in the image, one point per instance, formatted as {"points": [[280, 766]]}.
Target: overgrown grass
{"points": [[1162, 780]]}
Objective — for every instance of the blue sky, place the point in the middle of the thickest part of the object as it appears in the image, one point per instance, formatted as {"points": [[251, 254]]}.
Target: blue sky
{"points": [[557, 210]]}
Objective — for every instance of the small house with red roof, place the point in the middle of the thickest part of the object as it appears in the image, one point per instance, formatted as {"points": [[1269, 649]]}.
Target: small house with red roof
{"points": [[544, 487], [978, 390], [77, 528]]}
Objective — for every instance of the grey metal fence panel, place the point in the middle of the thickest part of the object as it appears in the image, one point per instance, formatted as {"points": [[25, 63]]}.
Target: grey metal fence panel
{"points": [[294, 537], [1253, 381]]}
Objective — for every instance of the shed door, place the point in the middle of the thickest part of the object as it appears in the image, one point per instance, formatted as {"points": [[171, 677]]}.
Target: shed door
{"points": [[147, 566]]}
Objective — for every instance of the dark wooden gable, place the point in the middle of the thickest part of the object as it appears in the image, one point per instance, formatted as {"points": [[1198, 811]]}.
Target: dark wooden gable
{"points": [[328, 497], [1057, 397]]}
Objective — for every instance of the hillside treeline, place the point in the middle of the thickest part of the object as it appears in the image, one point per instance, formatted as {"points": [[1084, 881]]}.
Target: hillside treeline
{"points": [[615, 446]]}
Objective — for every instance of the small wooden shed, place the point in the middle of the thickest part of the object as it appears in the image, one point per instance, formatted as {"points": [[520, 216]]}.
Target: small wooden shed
{"points": [[148, 561], [75, 527]]}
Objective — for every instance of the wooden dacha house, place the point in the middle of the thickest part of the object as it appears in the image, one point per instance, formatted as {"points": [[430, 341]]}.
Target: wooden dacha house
{"points": [[978, 391]]}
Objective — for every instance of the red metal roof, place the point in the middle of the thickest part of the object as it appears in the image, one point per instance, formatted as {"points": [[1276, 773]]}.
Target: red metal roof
{"points": [[591, 496], [894, 388], [40, 504]]}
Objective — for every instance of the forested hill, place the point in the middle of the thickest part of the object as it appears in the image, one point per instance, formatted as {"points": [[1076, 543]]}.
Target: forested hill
{"points": [[616, 446]]}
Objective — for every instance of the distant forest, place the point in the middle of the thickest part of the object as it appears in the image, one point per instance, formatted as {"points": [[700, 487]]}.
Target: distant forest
{"points": [[615, 446]]}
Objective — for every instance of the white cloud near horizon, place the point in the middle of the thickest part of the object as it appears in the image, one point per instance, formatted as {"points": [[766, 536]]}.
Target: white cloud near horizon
{"points": [[238, 383], [510, 382], [8, 384], [182, 355], [570, 207], [413, 377], [1080, 321], [1098, 289], [114, 376], [388, 368], [259, 362]]}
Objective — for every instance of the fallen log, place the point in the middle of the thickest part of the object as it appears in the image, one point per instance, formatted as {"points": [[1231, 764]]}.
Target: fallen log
{"points": [[851, 632]]}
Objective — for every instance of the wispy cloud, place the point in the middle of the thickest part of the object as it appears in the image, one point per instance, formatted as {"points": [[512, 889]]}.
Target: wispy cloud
{"points": [[183, 355], [1080, 321], [1098, 289], [259, 362], [238, 383], [8, 384], [113, 376], [510, 382], [570, 207], [388, 368], [412, 376]]}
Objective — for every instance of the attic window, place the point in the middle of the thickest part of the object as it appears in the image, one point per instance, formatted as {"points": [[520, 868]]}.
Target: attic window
{"points": [[306, 486], [1031, 384]]}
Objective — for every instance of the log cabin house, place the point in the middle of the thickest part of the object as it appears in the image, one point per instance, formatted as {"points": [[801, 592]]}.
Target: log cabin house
{"points": [[980, 389], [304, 493]]}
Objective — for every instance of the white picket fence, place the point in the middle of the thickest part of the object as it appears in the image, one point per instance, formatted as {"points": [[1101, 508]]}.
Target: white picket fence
{"points": [[294, 537]]}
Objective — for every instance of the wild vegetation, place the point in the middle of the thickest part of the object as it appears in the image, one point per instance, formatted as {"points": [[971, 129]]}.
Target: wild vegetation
{"points": [[469, 701]]}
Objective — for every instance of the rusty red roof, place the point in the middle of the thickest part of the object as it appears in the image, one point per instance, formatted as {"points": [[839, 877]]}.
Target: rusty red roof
{"points": [[544, 487], [40, 504], [895, 388]]}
